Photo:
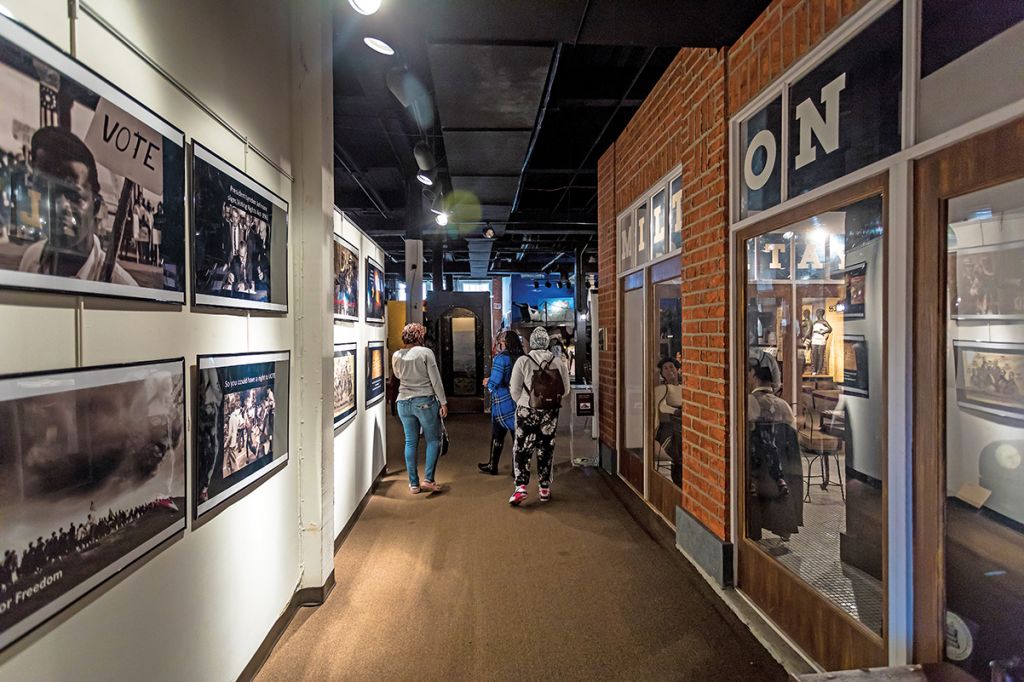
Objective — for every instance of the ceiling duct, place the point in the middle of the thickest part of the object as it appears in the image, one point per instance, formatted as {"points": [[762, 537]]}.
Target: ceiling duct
{"points": [[479, 256]]}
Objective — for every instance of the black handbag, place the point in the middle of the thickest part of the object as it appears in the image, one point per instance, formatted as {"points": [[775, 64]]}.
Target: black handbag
{"points": [[444, 439]]}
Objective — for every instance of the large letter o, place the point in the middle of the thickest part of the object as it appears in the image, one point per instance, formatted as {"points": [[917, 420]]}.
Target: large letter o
{"points": [[756, 181]]}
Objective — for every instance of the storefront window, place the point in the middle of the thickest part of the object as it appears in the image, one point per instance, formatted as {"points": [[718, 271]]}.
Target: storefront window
{"points": [[633, 363], [760, 156], [666, 382], [643, 237], [815, 452], [658, 232], [985, 430], [675, 214]]}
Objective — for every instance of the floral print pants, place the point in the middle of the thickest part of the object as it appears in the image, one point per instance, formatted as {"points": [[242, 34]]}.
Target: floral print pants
{"points": [[535, 436]]}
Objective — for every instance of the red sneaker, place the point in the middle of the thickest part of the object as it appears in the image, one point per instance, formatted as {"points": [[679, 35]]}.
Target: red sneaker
{"points": [[519, 496], [545, 494]]}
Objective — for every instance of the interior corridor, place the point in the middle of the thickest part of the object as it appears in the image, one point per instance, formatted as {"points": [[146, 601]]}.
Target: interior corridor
{"points": [[459, 585]]}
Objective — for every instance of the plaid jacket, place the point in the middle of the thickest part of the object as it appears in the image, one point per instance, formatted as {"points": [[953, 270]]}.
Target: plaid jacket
{"points": [[503, 408]]}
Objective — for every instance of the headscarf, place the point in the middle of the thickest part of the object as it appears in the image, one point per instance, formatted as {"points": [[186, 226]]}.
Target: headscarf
{"points": [[539, 339], [413, 334]]}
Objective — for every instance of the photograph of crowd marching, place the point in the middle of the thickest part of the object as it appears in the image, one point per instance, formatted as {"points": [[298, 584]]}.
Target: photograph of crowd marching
{"points": [[344, 383], [238, 226], [242, 422], [346, 280], [91, 194], [92, 476]]}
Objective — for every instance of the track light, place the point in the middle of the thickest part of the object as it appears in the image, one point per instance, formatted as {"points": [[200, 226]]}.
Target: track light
{"points": [[365, 7], [547, 284], [424, 156], [425, 178], [536, 285], [378, 45], [489, 232], [441, 219], [559, 284]]}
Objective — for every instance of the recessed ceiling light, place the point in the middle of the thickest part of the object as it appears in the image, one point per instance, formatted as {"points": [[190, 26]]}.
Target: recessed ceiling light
{"points": [[366, 7], [425, 179], [378, 45]]}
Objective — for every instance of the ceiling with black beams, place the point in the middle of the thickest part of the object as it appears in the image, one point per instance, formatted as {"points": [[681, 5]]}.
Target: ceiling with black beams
{"points": [[516, 101]]}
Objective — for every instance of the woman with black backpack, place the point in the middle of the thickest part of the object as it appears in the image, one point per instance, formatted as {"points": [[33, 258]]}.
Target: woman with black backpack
{"points": [[539, 383]]}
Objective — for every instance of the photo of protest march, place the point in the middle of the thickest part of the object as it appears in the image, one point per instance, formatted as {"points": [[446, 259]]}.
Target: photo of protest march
{"points": [[92, 476], [346, 280], [240, 229], [374, 372], [344, 382], [374, 292], [242, 423], [89, 193]]}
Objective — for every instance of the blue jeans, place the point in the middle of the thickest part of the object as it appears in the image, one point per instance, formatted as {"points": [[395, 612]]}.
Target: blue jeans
{"points": [[416, 412]]}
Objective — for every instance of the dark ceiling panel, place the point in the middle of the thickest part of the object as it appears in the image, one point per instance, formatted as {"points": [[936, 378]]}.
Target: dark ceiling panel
{"points": [[486, 152], [487, 86], [519, 21], [669, 23], [488, 189]]}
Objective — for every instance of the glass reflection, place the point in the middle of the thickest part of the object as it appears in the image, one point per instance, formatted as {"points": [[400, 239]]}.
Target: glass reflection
{"points": [[815, 455], [667, 397]]}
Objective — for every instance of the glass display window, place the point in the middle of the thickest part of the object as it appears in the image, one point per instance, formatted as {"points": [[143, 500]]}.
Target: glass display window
{"points": [[659, 234], [760, 155], [813, 402], [675, 214], [642, 254]]}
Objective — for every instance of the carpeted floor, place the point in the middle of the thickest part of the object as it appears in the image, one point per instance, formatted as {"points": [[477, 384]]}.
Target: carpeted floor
{"points": [[460, 586]]}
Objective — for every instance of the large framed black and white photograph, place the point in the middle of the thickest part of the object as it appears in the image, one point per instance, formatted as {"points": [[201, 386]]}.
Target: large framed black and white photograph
{"points": [[241, 424], [987, 282], [346, 280], [345, 377], [240, 238], [990, 378], [374, 292], [374, 372], [92, 183], [92, 478]]}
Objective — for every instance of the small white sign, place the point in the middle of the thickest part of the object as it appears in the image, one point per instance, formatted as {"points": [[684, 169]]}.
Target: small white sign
{"points": [[127, 146]]}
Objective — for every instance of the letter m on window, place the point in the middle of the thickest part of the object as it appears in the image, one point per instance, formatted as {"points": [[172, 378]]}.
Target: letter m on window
{"points": [[812, 125]]}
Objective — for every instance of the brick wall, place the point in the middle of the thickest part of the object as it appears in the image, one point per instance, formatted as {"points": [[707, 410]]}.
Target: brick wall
{"points": [[784, 33], [685, 120]]}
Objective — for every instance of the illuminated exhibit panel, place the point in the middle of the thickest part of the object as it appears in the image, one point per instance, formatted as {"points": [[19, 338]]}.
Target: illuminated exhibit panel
{"points": [[374, 292], [374, 372], [240, 255], [346, 280], [92, 477], [345, 383], [242, 424], [92, 183]]}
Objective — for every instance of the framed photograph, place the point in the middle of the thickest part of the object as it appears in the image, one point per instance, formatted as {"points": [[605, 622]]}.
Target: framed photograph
{"points": [[346, 280], [241, 424], [990, 377], [374, 372], [987, 282], [855, 366], [345, 406], [240, 244], [92, 183], [374, 292], [93, 478], [855, 278]]}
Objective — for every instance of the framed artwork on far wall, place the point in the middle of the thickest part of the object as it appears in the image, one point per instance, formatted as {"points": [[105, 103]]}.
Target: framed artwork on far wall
{"points": [[241, 424], [990, 378], [345, 382], [374, 291], [92, 478], [855, 278], [855, 366], [92, 183], [374, 372], [346, 280], [987, 282], [240, 238]]}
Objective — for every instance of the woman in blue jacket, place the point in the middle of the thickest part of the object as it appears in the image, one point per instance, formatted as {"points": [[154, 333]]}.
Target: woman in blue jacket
{"points": [[503, 408]]}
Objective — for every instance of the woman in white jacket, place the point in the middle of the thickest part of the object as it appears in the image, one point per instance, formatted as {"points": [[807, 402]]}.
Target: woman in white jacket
{"points": [[535, 428]]}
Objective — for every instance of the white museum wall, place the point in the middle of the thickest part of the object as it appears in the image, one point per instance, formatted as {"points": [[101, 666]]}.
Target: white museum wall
{"points": [[359, 454], [199, 608]]}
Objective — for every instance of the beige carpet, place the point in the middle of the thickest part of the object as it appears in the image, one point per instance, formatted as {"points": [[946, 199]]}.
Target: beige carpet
{"points": [[461, 586]]}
